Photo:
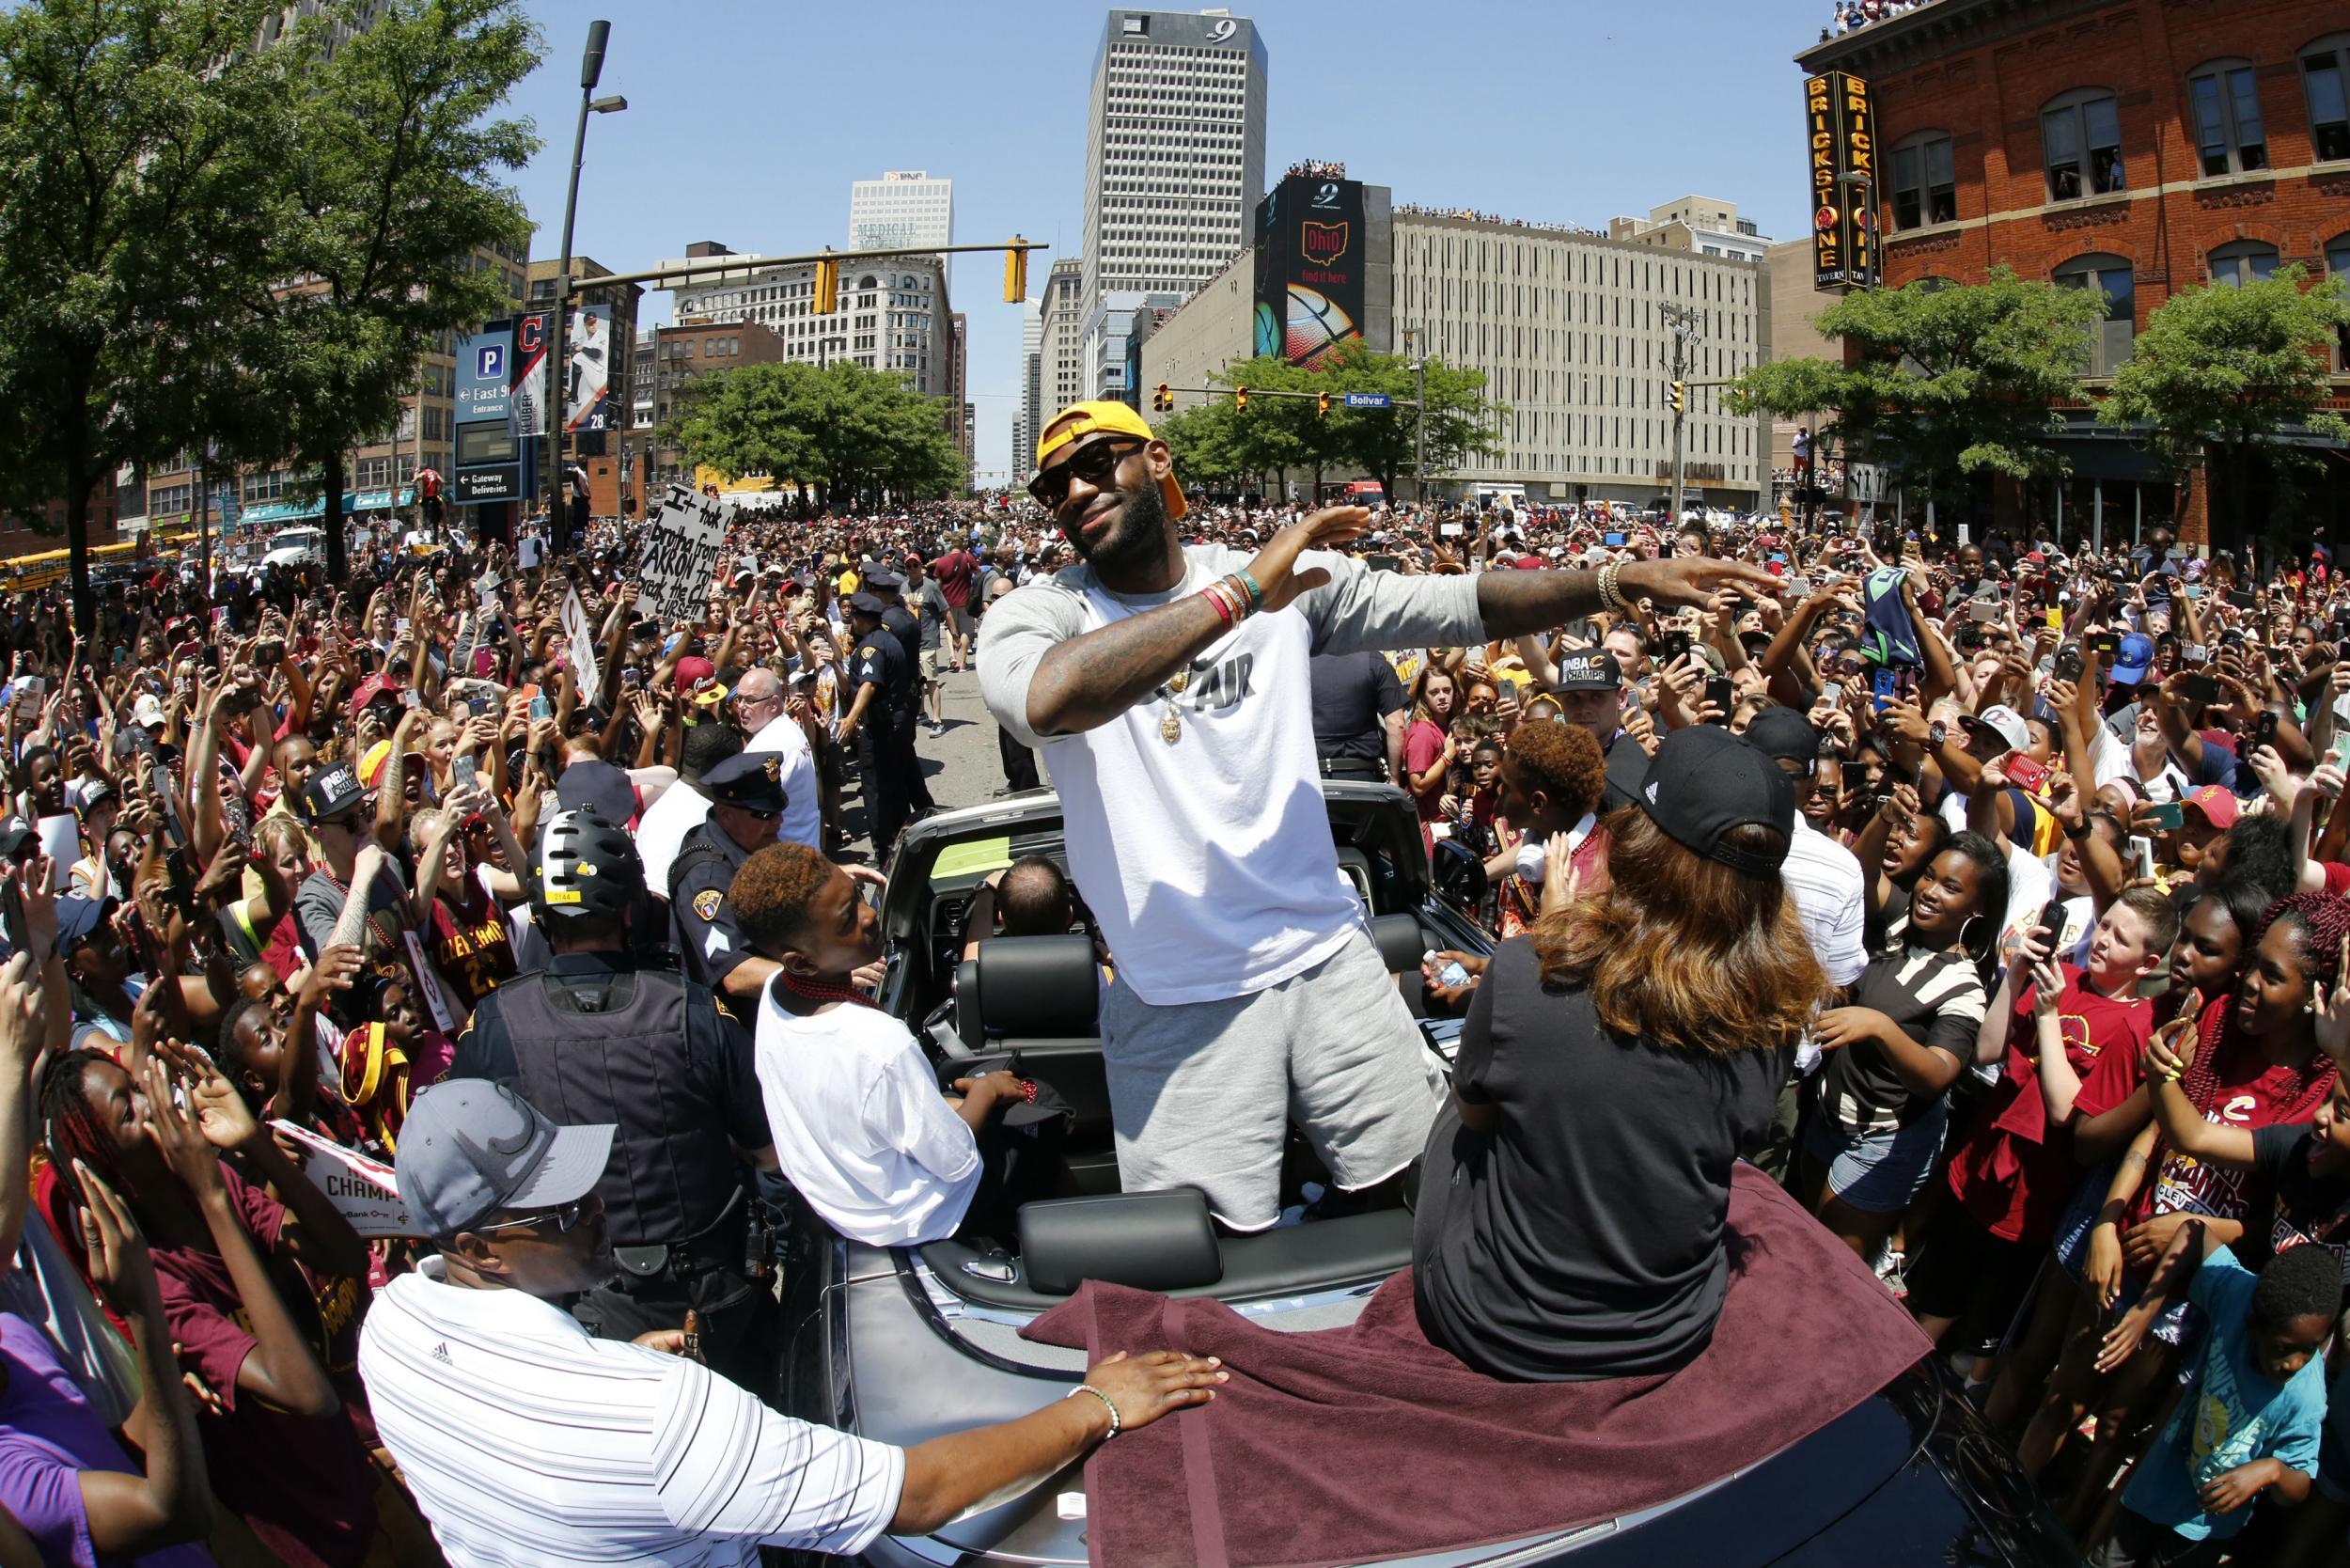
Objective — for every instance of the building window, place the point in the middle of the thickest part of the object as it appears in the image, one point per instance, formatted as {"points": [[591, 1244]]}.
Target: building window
{"points": [[2112, 276], [1924, 188], [2228, 137], [2325, 70], [2080, 140], [2244, 261]]}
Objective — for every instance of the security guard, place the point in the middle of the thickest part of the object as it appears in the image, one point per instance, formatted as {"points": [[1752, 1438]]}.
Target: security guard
{"points": [[899, 622], [746, 796], [881, 679], [597, 1038]]}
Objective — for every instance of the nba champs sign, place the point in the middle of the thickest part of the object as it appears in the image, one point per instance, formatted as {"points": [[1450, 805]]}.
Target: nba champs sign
{"points": [[1312, 245]]}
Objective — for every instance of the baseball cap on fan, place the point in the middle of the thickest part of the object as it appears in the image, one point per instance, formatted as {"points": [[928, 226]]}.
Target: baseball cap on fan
{"points": [[471, 1147], [1704, 783], [1082, 420]]}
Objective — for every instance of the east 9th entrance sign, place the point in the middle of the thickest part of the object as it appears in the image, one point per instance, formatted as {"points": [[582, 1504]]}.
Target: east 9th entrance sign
{"points": [[1841, 135]]}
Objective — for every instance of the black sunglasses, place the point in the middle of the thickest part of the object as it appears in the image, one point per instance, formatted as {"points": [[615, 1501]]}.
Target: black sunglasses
{"points": [[565, 1218], [1095, 461]]}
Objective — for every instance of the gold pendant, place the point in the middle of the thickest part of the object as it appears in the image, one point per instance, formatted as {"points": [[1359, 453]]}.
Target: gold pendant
{"points": [[1171, 727], [1177, 681]]}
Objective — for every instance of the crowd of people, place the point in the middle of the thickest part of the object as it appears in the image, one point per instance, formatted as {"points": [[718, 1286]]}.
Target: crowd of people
{"points": [[1853, 15], [1991, 896]]}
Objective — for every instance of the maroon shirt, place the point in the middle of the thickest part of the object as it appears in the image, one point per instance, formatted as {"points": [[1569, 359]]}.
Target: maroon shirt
{"points": [[954, 572]]}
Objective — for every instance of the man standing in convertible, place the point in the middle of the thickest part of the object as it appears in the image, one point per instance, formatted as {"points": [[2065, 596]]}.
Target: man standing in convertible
{"points": [[1168, 691]]}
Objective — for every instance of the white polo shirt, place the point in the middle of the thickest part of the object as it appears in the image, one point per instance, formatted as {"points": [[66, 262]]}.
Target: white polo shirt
{"points": [[1825, 881], [802, 819], [861, 1129], [526, 1441], [661, 831]]}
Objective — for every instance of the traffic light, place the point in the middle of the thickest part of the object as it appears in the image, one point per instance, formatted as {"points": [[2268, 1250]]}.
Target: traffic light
{"points": [[1321, 405], [1680, 396], [1016, 271], [827, 288], [1163, 400], [1240, 399]]}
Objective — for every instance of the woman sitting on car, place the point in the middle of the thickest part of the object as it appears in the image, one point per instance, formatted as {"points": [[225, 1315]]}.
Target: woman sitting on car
{"points": [[1615, 1062]]}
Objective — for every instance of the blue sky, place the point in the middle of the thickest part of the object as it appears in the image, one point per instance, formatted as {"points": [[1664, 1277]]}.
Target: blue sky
{"points": [[748, 118]]}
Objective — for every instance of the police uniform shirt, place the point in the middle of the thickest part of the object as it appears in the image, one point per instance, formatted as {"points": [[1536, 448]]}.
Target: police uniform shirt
{"points": [[701, 927], [696, 1092], [880, 660], [899, 622]]}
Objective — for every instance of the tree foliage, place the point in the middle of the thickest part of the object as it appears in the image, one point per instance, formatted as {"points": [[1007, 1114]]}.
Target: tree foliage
{"points": [[211, 245], [1217, 442], [1944, 382], [392, 162], [851, 432], [2222, 371], [124, 130]]}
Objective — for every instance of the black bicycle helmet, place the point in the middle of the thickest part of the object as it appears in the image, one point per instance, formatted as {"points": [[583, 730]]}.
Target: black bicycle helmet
{"points": [[585, 869]]}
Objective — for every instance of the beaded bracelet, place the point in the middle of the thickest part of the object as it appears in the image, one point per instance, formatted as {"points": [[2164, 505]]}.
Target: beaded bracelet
{"points": [[1108, 1402]]}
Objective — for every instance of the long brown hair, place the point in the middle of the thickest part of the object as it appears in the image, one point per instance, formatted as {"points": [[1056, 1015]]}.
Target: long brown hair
{"points": [[1683, 950]]}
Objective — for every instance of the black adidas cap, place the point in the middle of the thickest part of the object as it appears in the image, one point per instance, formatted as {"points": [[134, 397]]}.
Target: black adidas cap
{"points": [[1705, 781]]}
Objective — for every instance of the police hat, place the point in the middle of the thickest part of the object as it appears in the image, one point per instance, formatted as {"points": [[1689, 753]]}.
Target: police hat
{"points": [[883, 582], [864, 604], [751, 780]]}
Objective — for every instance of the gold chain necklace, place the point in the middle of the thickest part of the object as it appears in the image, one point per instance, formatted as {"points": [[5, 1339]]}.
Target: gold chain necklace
{"points": [[1171, 728]]}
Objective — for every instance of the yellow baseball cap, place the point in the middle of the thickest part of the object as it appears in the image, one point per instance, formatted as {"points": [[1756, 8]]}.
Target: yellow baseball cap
{"points": [[1091, 418]]}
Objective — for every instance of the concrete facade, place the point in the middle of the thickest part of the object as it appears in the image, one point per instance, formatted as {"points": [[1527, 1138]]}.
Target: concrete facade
{"points": [[1060, 349], [893, 314]]}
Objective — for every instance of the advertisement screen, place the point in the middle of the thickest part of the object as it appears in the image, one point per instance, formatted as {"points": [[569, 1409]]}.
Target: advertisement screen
{"points": [[587, 375], [1311, 240]]}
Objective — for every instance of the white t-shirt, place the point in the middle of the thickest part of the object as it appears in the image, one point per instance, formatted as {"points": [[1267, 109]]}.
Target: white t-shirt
{"points": [[528, 1441], [1208, 860], [802, 819], [1826, 880], [2112, 758], [661, 830], [861, 1128]]}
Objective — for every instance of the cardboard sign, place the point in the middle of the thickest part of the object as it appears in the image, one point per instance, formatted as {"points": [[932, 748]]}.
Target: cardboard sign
{"points": [[681, 546], [581, 638], [363, 1189]]}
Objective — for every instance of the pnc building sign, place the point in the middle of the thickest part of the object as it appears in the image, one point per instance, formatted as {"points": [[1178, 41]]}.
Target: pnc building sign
{"points": [[1841, 135]]}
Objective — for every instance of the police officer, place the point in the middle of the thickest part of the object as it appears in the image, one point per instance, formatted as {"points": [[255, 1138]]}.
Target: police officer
{"points": [[596, 1038], [746, 796], [882, 680], [901, 623]]}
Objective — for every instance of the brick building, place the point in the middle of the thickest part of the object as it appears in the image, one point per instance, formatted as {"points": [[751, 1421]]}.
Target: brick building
{"points": [[2138, 147]]}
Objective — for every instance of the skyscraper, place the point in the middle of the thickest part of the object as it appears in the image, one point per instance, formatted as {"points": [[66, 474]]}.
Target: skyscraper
{"points": [[1029, 414], [904, 206], [1174, 168]]}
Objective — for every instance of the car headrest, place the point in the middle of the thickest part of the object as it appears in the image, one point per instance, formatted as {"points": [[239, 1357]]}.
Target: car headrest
{"points": [[1152, 1241], [1039, 987], [1401, 943]]}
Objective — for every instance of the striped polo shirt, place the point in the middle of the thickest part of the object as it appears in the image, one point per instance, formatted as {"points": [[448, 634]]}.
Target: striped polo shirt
{"points": [[528, 1441]]}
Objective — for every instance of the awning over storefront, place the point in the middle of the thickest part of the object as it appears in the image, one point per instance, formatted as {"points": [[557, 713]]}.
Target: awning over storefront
{"points": [[270, 513]]}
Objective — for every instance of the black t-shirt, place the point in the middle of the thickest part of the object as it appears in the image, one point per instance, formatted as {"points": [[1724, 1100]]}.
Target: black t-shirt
{"points": [[2308, 1208], [1583, 1237], [1936, 999], [1353, 695]]}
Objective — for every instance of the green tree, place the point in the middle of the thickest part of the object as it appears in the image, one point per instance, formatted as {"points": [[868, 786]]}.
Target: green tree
{"points": [[126, 232], [390, 158], [852, 433], [1943, 383], [1278, 433], [2221, 371]]}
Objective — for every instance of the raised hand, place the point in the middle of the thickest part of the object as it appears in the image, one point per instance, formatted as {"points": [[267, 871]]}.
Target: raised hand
{"points": [[120, 1265], [1274, 568], [221, 1115]]}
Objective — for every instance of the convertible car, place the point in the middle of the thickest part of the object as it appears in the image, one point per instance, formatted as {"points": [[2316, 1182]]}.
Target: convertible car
{"points": [[902, 1345]]}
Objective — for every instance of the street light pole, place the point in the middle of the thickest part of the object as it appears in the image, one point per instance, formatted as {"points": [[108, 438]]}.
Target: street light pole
{"points": [[1419, 419], [1684, 335], [591, 71]]}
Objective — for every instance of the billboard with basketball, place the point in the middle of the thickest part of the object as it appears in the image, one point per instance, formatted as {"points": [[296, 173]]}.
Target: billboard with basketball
{"points": [[1311, 246]]}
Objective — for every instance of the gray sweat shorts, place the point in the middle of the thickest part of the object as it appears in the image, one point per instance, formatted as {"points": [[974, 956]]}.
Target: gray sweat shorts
{"points": [[1201, 1093]]}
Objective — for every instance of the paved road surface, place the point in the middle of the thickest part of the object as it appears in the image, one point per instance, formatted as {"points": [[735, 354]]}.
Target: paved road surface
{"points": [[963, 766]]}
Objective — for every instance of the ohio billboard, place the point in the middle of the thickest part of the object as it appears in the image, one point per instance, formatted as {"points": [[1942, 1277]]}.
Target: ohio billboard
{"points": [[1312, 244]]}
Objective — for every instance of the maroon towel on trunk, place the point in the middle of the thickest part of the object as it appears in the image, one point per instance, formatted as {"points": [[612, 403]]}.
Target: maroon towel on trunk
{"points": [[1354, 1443]]}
